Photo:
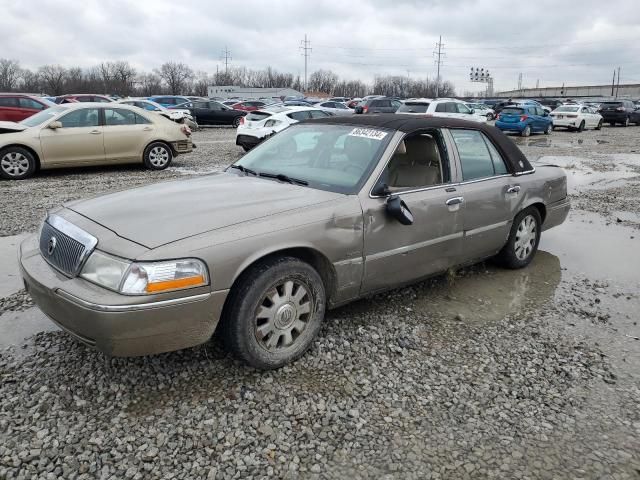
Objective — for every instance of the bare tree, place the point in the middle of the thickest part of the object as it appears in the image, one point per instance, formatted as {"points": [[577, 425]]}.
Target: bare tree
{"points": [[150, 84], [200, 86], [53, 78], [30, 81], [124, 75], [322, 81], [176, 76], [9, 74]]}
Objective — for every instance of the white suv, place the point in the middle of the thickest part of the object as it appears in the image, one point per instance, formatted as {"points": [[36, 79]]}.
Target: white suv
{"points": [[441, 107]]}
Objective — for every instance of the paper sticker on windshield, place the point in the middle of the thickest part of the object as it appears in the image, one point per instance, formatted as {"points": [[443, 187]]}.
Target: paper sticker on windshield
{"points": [[368, 133]]}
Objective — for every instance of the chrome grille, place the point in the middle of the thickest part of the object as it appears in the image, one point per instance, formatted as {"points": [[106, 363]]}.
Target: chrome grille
{"points": [[65, 247]]}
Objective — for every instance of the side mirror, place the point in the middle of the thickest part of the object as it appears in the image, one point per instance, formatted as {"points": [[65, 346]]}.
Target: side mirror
{"points": [[545, 114], [55, 125], [399, 210]]}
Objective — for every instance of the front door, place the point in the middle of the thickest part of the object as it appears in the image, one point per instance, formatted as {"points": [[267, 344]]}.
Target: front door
{"points": [[419, 173], [490, 195], [80, 140]]}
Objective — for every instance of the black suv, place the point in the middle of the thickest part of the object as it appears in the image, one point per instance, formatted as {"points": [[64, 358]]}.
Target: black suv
{"points": [[620, 111], [378, 105]]}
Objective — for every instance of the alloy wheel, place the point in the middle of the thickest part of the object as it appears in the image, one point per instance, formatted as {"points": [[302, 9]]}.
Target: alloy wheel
{"points": [[283, 315], [159, 156], [14, 164], [526, 237]]}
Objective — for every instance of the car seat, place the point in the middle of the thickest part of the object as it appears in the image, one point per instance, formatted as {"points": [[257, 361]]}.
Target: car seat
{"points": [[419, 166]]}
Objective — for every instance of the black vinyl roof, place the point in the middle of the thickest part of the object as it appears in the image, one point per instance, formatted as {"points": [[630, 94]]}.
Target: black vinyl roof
{"points": [[516, 160]]}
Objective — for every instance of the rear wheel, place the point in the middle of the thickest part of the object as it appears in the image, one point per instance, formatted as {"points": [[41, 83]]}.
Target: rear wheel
{"points": [[489, 116], [581, 126], [626, 122], [523, 240], [157, 156], [549, 129], [16, 163], [599, 127], [526, 132], [236, 122], [274, 313]]}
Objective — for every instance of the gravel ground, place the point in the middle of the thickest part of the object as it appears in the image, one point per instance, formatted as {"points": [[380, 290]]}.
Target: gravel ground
{"points": [[438, 380]]}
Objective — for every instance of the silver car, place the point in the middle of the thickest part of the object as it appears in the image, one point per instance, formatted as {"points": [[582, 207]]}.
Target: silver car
{"points": [[323, 213]]}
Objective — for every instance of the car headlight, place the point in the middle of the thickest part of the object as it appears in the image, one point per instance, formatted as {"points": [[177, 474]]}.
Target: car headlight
{"points": [[143, 278]]}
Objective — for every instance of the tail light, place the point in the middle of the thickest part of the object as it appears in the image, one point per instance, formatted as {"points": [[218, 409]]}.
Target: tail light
{"points": [[523, 117], [365, 109], [498, 117], [186, 130], [241, 121]]}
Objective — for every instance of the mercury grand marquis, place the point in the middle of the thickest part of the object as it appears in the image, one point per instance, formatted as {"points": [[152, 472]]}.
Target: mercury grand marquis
{"points": [[323, 213]]}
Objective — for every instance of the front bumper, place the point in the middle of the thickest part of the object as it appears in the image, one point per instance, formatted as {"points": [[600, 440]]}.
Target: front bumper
{"points": [[115, 324]]}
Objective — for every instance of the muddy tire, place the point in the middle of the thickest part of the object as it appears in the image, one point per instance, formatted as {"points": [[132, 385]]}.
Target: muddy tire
{"points": [[548, 129], [523, 240], [599, 127], [157, 156], [581, 126], [16, 163], [526, 132], [274, 312]]}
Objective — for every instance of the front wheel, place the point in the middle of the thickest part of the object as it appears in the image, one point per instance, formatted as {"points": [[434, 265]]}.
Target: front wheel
{"points": [[581, 126], [599, 127], [523, 240], [274, 313], [626, 122], [157, 156], [489, 116], [16, 163], [549, 129], [526, 132], [236, 122]]}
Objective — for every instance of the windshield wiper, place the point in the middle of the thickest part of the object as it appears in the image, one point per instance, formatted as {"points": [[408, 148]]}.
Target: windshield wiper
{"points": [[244, 170], [284, 178]]}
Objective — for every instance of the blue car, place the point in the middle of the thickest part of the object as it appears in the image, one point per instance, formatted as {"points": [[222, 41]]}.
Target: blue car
{"points": [[524, 119], [169, 100]]}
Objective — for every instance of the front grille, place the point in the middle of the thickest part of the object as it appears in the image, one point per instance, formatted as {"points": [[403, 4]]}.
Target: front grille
{"points": [[60, 250]]}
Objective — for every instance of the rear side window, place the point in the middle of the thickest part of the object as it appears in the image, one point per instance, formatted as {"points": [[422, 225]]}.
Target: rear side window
{"points": [[462, 108], [474, 154], [257, 116], [32, 104], [319, 114], [8, 102], [451, 107], [441, 107], [499, 166], [113, 116], [299, 115], [412, 107]]}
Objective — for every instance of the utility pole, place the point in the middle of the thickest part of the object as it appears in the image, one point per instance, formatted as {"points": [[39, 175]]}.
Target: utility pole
{"points": [[438, 57], [613, 82], [305, 46], [520, 84], [618, 87], [226, 56]]}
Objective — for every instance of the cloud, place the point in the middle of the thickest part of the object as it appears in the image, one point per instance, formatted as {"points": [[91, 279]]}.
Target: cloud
{"points": [[546, 40]]}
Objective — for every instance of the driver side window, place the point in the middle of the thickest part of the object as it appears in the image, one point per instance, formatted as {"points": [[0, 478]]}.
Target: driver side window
{"points": [[84, 117], [419, 161]]}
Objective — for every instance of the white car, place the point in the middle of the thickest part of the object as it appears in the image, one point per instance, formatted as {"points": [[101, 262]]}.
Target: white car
{"points": [[441, 107], [260, 124], [335, 108], [177, 115], [482, 109], [576, 117]]}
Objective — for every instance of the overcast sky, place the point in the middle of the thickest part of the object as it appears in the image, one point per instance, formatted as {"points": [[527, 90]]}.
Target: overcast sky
{"points": [[570, 41]]}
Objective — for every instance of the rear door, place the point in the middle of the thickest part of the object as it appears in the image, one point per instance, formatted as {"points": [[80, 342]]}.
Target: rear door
{"points": [[29, 107], [9, 109], [80, 141], [380, 106], [489, 194], [125, 135]]}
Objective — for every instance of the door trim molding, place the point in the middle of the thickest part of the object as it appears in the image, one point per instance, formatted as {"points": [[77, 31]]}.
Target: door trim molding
{"points": [[414, 246]]}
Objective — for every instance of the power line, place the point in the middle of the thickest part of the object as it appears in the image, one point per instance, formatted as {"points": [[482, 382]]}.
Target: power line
{"points": [[305, 47]]}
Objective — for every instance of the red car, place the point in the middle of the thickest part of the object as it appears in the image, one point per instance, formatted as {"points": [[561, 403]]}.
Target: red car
{"points": [[248, 106], [15, 107], [83, 98]]}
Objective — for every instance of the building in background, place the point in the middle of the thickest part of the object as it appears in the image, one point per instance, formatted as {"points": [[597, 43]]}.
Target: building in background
{"points": [[231, 91], [623, 91]]}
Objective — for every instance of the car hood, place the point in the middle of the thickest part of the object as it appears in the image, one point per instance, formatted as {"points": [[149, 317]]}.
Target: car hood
{"points": [[170, 211], [12, 127]]}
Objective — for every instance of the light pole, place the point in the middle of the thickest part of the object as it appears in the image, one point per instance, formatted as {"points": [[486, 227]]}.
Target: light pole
{"points": [[482, 75]]}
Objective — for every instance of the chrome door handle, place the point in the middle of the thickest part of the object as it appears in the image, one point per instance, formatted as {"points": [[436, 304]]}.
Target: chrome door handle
{"points": [[454, 201], [514, 189], [95, 132]]}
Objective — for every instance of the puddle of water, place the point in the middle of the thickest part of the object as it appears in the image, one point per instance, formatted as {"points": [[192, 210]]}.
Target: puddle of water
{"points": [[626, 217], [16, 327], [581, 174], [10, 279]]}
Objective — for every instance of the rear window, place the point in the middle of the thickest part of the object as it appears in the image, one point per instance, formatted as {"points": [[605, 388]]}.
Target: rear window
{"points": [[567, 109], [611, 104], [257, 116], [413, 107], [512, 111]]}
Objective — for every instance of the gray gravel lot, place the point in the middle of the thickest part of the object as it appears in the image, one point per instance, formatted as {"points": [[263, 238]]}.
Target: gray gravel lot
{"points": [[483, 374]]}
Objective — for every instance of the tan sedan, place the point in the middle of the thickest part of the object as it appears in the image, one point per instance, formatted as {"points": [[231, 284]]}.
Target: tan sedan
{"points": [[89, 134]]}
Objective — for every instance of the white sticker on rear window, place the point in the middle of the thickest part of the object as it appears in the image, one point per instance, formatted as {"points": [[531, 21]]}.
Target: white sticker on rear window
{"points": [[368, 133]]}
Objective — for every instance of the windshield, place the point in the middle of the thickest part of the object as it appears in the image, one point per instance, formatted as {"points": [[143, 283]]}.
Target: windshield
{"points": [[412, 107], [338, 158], [43, 116], [567, 109]]}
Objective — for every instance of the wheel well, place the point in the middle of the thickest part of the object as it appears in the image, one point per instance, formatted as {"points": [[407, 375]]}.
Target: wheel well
{"points": [[29, 149], [541, 208], [308, 255], [168, 144]]}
